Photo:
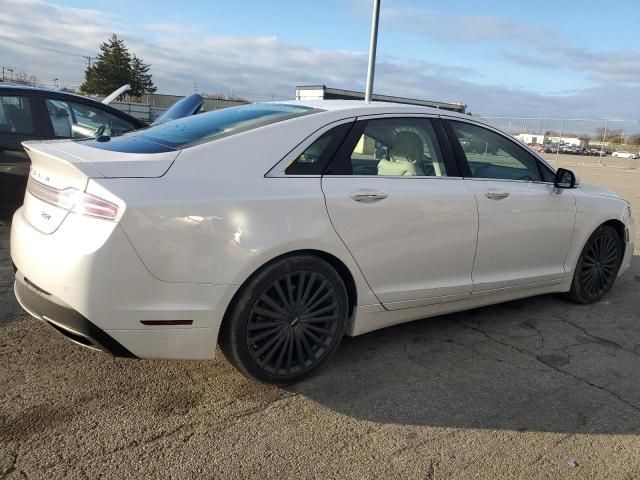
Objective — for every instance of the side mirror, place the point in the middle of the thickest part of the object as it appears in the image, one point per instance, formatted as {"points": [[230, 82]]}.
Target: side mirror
{"points": [[564, 179]]}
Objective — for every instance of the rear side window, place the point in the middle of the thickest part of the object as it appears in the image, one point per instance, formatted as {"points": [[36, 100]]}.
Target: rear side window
{"points": [[15, 115], [313, 160], [196, 129]]}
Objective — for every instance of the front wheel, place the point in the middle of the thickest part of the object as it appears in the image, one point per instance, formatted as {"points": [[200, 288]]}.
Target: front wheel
{"points": [[287, 320], [597, 266]]}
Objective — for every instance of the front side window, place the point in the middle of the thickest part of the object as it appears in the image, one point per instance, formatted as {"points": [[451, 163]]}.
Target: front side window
{"points": [[15, 115], [490, 155], [398, 147], [77, 120]]}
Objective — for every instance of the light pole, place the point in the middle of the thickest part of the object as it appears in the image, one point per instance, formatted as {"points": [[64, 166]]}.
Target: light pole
{"points": [[372, 51]]}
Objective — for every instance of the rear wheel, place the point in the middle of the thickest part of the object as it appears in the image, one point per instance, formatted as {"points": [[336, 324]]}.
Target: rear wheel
{"points": [[287, 321], [598, 266]]}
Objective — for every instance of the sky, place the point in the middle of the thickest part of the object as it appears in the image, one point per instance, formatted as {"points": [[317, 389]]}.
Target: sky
{"points": [[570, 59]]}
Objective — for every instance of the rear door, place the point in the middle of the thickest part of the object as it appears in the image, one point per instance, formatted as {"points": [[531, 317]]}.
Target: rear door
{"points": [[395, 197], [525, 224], [20, 120]]}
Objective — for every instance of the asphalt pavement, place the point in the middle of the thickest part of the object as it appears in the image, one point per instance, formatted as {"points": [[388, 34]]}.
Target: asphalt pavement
{"points": [[536, 388]]}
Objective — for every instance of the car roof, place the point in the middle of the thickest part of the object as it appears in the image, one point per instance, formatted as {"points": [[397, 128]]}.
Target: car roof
{"points": [[15, 86], [360, 107]]}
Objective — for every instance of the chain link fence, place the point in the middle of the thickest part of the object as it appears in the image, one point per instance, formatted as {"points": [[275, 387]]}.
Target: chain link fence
{"points": [[606, 142]]}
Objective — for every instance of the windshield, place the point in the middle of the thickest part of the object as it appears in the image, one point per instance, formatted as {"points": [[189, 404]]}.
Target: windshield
{"points": [[189, 131]]}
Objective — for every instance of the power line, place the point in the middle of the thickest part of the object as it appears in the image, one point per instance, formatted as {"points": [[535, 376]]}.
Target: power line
{"points": [[49, 49]]}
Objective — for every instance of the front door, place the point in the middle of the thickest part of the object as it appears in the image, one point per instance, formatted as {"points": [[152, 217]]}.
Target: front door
{"points": [[525, 224], [410, 222]]}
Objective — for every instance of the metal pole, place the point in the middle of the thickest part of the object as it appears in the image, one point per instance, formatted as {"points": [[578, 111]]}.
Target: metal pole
{"points": [[606, 124], [372, 51], [560, 140]]}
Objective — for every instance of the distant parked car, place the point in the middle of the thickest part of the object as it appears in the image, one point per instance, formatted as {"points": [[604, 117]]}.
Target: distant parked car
{"points": [[624, 154], [537, 148], [41, 114]]}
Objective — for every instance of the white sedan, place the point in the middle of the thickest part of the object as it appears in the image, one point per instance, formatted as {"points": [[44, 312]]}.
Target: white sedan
{"points": [[273, 229], [624, 155]]}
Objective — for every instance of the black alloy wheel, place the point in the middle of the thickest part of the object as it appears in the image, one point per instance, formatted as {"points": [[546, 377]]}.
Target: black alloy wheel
{"points": [[598, 265], [293, 323], [289, 321]]}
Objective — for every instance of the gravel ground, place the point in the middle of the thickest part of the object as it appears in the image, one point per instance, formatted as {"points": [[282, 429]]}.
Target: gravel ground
{"points": [[537, 388]]}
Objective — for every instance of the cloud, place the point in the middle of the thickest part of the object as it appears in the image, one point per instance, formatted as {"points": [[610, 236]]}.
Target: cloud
{"points": [[544, 47], [267, 67], [458, 28]]}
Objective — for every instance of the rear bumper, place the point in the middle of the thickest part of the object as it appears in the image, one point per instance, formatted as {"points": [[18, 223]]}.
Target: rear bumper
{"points": [[43, 306], [98, 290]]}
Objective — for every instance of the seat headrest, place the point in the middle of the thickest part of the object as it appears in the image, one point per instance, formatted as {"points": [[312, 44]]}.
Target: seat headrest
{"points": [[407, 144]]}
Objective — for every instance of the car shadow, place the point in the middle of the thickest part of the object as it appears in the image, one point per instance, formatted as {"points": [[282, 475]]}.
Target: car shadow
{"points": [[539, 364]]}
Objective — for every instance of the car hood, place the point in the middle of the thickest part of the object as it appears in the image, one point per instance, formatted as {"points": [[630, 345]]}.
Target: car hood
{"points": [[598, 190]]}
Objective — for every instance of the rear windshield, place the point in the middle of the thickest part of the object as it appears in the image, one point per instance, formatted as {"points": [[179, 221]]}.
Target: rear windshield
{"points": [[196, 129]]}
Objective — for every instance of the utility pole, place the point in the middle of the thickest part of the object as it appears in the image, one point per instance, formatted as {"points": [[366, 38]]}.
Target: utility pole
{"points": [[10, 70], [604, 136], [373, 44]]}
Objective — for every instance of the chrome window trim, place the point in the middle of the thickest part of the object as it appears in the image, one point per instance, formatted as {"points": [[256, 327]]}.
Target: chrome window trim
{"points": [[373, 116], [422, 177], [507, 180]]}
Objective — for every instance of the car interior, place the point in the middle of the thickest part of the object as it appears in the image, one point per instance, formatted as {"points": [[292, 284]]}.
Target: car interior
{"points": [[15, 115], [392, 151]]}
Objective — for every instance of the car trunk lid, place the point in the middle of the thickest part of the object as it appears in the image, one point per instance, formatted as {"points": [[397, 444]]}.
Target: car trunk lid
{"points": [[60, 170]]}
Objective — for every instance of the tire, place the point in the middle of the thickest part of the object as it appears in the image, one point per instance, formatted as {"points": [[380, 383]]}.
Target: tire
{"points": [[286, 321], [597, 266]]}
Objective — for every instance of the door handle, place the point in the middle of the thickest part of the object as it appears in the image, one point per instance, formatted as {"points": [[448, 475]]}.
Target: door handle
{"points": [[369, 196], [494, 195]]}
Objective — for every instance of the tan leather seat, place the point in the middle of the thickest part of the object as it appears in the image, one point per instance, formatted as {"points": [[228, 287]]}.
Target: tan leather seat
{"points": [[407, 149]]}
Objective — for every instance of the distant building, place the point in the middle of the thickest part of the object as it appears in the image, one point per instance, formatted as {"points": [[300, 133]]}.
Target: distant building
{"points": [[322, 92], [576, 142], [530, 139]]}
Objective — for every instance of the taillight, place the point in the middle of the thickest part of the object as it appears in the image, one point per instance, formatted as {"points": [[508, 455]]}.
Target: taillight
{"points": [[73, 199], [96, 207]]}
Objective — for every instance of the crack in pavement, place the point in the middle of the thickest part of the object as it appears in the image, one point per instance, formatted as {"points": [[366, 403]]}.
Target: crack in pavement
{"points": [[539, 358], [599, 339]]}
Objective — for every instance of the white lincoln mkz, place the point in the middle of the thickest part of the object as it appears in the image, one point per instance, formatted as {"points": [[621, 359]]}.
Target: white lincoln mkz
{"points": [[273, 229]]}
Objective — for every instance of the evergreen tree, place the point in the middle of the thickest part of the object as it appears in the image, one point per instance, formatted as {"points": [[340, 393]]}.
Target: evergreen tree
{"points": [[111, 70], [141, 81], [114, 67]]}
